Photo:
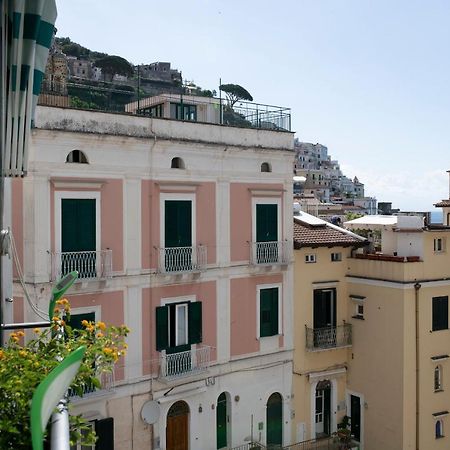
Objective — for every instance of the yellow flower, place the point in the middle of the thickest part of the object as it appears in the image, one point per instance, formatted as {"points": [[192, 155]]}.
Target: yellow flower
{"points": [[102, 326], [37, 330], [22, 353], [2, 354], [55, 319], [85, 323], [99, 335], [107, 351], [20, 334], [125, 345], [59, 302], [56, 310]]}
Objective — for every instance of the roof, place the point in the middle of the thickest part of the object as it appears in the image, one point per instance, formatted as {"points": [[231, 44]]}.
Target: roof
{"points": [[380, 222], [372, 221], [310, 231], [443, 203]]}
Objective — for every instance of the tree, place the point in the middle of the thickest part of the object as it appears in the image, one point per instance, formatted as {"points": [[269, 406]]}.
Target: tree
{"points": [[114, 65], [23, 367], [234, 93]]}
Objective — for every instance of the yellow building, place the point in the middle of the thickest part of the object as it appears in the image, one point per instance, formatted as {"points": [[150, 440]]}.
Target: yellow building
{"points": [[381, 356]]}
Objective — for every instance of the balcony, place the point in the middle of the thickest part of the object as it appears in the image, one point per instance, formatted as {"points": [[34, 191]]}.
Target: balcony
{"points": [[329, 337], [182, 259], [90, 265], [183, 364], [269, 253], [107, 384]]}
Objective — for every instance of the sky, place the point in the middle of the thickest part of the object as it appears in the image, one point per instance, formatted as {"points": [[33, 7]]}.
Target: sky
{"points": [[368, 79]]}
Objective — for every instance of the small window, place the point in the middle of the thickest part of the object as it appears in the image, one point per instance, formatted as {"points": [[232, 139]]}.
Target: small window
{"points": [[335, 257], [177, 163], [76, 156], [438, 379], [439, 429], [359, 310], [268, 312], [265, 167], [310, 258], [439, 245], [440, 313]]}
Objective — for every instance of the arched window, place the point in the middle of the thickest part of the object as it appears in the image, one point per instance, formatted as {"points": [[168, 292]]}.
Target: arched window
{"points": [[76, 156], [265, 167], [177, 163], [438, 378], [439, 430], [274, 420]]}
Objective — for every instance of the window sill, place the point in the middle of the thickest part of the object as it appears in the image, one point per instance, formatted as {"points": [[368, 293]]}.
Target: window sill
{"points": [[438, 390], [441, 329], [440, 437], [358, 317]]}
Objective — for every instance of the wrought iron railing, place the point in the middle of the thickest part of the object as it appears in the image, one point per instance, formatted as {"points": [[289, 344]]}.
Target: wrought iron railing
{"points": [[182, 364], [326, 443], [107, 384], [88, 264], [329, 337], [182, 259], [274, 252], [250, 446]]}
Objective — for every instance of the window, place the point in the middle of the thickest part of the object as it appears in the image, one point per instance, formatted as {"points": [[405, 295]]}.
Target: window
{"points": [[178, 325], [439, 431], [439, 245], [438, 379], [440, 313], [266, 233], [335, 257], [76, 156], [310, 258], [155, 111], [104, 430], [265, 167], [268, 312], [359, 311], [183, 112], [177, 163]]}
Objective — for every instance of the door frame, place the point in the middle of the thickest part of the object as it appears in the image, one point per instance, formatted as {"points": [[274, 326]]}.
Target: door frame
{"points": [[166, 417], [228, 415], [348, 395], [333, 403], [266, 201], [82, 195]]}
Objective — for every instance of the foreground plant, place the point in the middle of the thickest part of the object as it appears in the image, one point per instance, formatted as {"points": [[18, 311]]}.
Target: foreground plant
{"points": [[23, 367]]}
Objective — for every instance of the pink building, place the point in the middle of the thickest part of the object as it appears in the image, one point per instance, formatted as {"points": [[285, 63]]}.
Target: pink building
{"points": [[183, 231]]}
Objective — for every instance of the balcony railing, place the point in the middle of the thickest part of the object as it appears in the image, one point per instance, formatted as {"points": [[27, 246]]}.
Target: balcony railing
{"points": [[182, 259], [269, 253], [107, 384], [88, 264], [182, 364], [329, 337]]}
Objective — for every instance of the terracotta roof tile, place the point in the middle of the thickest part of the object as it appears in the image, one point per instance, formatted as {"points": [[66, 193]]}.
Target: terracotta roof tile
{"points": [[443, 203], [322, 236]]}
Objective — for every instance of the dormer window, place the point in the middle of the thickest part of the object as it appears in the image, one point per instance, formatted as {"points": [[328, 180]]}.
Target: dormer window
{"points": [[265, 167], [177, 163], [76, 156]]}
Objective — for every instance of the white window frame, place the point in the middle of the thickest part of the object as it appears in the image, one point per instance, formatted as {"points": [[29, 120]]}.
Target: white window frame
{"points": [[82, 195], [177, 324], [162, 214], [438, 368], [357, 313], [441, 421], [183, 300], [336, 257], [96, 309], [260, 287], [267, 201], [310, 258], [439, 245]]}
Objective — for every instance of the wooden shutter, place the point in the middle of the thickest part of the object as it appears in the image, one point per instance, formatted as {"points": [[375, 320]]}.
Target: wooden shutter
{"points": [[162, 328], [195, 322], [104, 430], [266, 222], [178, 223], [440, 313], [268, 312]]}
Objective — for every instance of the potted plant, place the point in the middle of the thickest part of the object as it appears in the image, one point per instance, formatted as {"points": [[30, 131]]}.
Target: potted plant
{"points": [[344, 433]]}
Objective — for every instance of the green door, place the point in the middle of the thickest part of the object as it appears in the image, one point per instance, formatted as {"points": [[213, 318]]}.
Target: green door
{"points": [[274, 421], [178, 235], [266, 223], [78, 234], [221, 416]]}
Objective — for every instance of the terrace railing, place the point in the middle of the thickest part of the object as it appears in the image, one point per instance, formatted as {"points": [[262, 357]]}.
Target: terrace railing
{"points": [[182, 364], [107, 384], [328, 337], [182, 259], [88, 264], [269, 253]]}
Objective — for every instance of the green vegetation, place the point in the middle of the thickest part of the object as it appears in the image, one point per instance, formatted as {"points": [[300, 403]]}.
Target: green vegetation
{"points": [[114, 65], [234, 93]]}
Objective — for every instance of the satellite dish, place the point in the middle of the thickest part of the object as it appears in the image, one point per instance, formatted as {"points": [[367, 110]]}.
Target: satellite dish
{"points": [[150, 412]]}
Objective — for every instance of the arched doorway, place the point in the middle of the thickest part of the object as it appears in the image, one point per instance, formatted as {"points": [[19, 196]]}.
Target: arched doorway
{"points": [[274, 420], [177, 428], [323, 408], [222, 423]]}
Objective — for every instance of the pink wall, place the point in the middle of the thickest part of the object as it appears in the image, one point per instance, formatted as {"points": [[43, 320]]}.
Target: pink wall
{"points": [[205, 220], [112, 312], [243, 313], [241, 217], [17, 219], [111, 216], [151, 298]]}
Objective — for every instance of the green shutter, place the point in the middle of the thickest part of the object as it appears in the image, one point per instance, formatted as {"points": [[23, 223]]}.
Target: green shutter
{"points": [[268, 312], [162, 325], [195, 322], [266, 223], [178, 223], [76, 319], [78, 225], [274, 314], [104, 429]]}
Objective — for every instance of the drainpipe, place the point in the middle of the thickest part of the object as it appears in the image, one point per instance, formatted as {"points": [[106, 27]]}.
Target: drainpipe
{"points": [[417, 287]]}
